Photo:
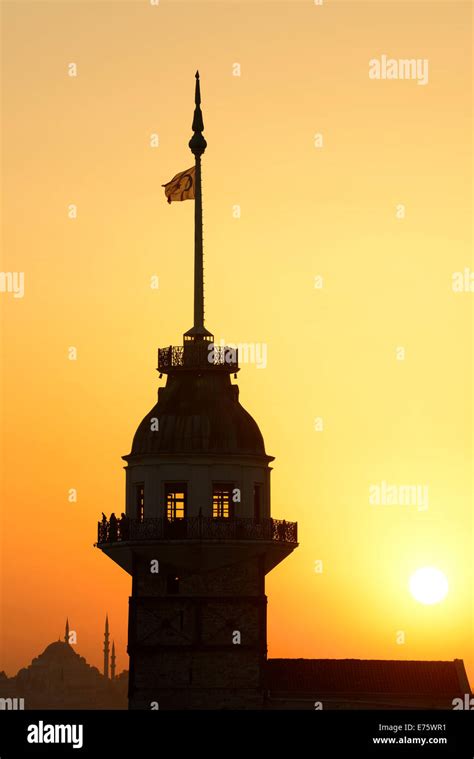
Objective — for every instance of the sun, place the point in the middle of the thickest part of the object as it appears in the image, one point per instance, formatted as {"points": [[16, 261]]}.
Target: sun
{"points": [[429, 585]]}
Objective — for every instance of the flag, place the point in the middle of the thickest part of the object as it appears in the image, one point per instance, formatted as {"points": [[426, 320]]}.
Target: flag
{"points": [[181, 187]]}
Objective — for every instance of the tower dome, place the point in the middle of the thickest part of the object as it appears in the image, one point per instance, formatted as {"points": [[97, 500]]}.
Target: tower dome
{"points": [[199, 413]]}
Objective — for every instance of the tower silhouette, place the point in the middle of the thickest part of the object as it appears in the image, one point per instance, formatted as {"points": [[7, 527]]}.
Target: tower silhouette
{"points": [[106, 646], [197, 537], [66, 631], [112, 662]]}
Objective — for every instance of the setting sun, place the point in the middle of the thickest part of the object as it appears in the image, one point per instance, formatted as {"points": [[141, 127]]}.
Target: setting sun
{"points": [[429, 585]]}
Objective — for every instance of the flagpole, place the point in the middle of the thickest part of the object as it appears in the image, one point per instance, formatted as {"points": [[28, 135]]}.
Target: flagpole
{"points": [[198, 145]]}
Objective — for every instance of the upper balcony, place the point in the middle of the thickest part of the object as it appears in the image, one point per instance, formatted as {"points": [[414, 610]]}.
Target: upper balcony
{"points": [[197, 355], [200, 528]]}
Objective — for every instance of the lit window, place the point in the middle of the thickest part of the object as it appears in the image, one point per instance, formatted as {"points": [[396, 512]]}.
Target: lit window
{"points": [[175, 496], [222, 501], [140, 500]]}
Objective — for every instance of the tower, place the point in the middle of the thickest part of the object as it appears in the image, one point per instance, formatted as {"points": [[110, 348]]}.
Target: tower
{"points": [[112, 662], [106, 646], [198, 537], [66, 632]]}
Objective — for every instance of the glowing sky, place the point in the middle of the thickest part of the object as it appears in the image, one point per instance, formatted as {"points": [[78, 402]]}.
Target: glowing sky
{"points": [[333, 352]]}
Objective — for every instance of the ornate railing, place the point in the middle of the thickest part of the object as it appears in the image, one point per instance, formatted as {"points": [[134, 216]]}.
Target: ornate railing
{"points": [[200, 355], [196, 528]]}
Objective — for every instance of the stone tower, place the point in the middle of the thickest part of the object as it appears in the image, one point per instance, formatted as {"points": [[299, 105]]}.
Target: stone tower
{"points": [[198, 537]]}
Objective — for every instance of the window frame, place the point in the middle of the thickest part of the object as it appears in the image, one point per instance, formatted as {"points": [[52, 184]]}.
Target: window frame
{"points": [[174, 488], [223, 487]]}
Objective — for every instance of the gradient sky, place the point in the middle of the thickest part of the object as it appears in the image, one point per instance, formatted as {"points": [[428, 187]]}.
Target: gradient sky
{"points": [[305, 211]]}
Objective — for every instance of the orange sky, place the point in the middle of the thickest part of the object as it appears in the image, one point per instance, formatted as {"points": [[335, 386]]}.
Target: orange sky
{"points": [[305, 211]]}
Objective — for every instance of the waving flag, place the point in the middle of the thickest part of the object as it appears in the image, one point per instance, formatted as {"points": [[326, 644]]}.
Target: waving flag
{"points": [[181, 187]]}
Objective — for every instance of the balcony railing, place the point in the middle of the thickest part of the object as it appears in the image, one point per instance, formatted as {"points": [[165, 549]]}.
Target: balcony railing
{"points": [[196, 528], [202, 355]]}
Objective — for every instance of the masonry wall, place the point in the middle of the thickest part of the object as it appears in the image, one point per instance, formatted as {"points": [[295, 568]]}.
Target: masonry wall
{"points": [[203, 647], [198, 472]]}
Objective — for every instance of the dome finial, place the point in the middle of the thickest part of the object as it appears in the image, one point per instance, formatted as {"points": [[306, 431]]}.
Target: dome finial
{"points": [[197, 143]]}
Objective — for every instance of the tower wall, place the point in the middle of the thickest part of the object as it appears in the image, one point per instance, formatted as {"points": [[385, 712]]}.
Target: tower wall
{"points": [[203, 647], [199, 473]]}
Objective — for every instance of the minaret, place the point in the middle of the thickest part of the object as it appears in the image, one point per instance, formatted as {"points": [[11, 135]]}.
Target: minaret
{"points": [[106, 647], [66, 633], [198, 537], [112, 662]]}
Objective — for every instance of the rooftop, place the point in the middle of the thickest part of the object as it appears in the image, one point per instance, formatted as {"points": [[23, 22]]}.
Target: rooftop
{"points": [[359, 676]]}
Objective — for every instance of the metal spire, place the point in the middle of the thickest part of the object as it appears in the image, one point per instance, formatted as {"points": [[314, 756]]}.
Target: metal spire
{"points": [[198, 144]]}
